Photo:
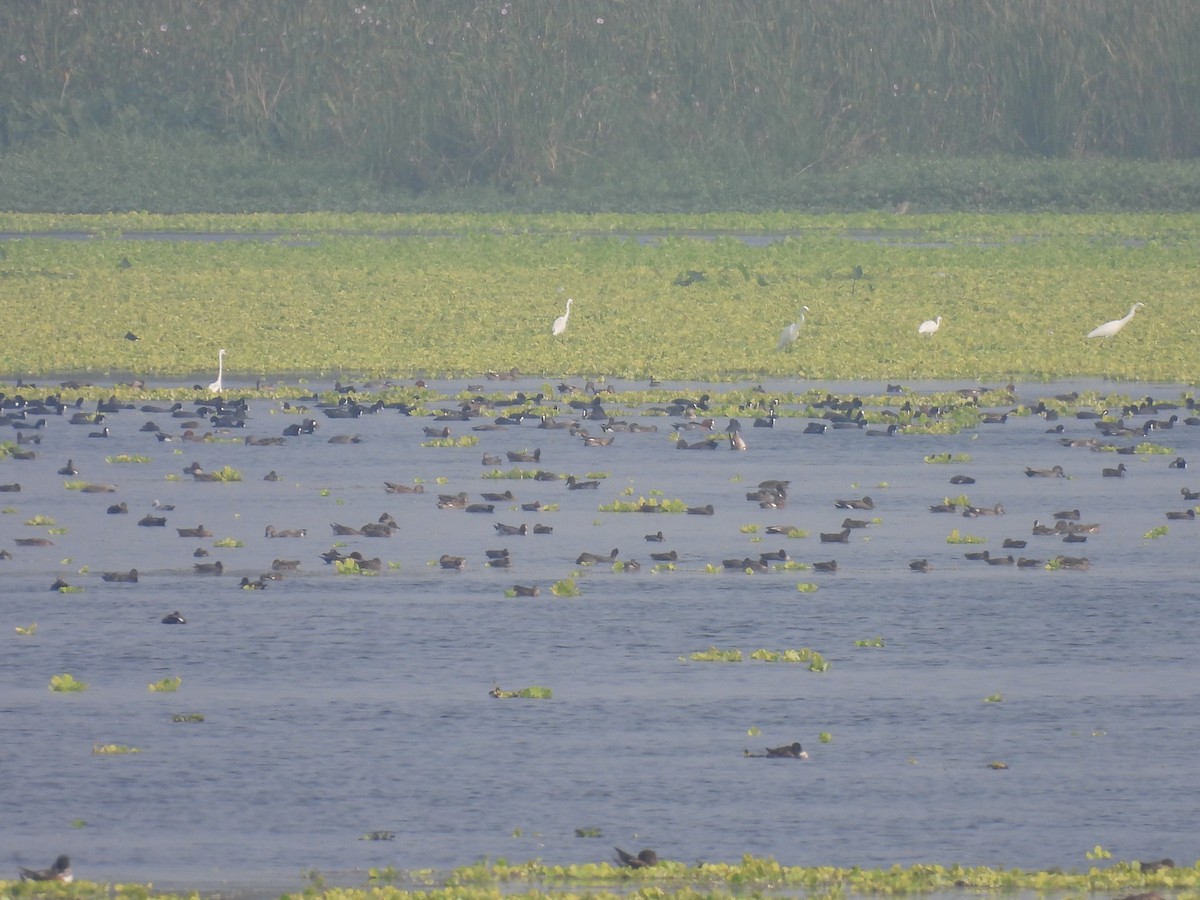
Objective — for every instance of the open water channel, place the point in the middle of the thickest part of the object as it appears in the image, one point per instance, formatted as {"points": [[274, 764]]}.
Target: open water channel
{"points": [[335, 706]]}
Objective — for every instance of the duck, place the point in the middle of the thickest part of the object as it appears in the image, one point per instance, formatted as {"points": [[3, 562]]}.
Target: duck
{"points": [[1177, 463], [1014, 544], [576, 485], [343, 530], [972, 512], [543, 529], [1072, 562], [706, 510], [837, 537], [999, 560], [498, 498], [501, 528], [657, 537], [129, 577], [272, 532], [1023, 563], [148, 521], [525, 590], [446, 561], [863, 503], [480, 508], [1189, 494], [376, 529], [669, 556], [1069, 515], [947, 507], [781, 529], [60, 871], [214, 568], [198, 532], [855, 523], [1056, 472], [490, 459], [393, 487], [828, 566], [502, 562], [1118, 472], [791, 751], [587, 559], [174, 618], [644, 860], [118, 509], [285, 565], [69, 469], [961, 479], [247, 585], [1185, 514], [524, 455], [920, 565]]}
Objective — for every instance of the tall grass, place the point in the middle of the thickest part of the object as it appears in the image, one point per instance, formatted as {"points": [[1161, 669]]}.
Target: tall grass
{"points": [[424, 93]]}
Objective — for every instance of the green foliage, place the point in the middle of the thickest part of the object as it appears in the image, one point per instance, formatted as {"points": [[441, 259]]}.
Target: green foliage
{"points": [[127, 458], [187, 717], [466, 440], [27, 631], [712, 654], [112, 749], [350, 566], [816, 662], [825, 737], [40, 520], [230, 543], [533, 692], [1098, 852], [955, 538], [870, 642], [945, 458], [1157, 532], [994, 698], [644, 504], [66, 683], [566, 587], [167, 685], [806, 587]]}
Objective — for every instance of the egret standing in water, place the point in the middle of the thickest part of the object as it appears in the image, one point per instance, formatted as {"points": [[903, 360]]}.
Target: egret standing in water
{"points": [[930, 326], [560, 324], [1108, 329], [788, 336], [219, 385]]}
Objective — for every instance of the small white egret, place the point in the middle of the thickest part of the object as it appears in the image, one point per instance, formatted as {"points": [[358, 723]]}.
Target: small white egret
{"points": [[219, 385], [1108, 329], [788, 336], [930, 326], [560, 324]]}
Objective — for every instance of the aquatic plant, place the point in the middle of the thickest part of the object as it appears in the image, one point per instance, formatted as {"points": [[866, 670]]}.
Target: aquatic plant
{"points": [[112, 749], [955, 538], [806, 587], [1098, 852], [229, 542], [70, 589], [66, 683], [816, 662], [378, 836], [187, 717], [565, 587], [590, 832], [350, 566], [167, 685], [40, 521], [994, 698], [946, 458], [465, 440], [646, 505], [1156, 532], [749, 529], [126, 458], [226, 473], [28, 631], [534, 692], [712, 654], [870, 642], [511, 474], [825, 737]]}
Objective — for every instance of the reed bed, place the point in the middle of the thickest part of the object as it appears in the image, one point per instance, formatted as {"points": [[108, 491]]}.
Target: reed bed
{"points": [[490, 92]]}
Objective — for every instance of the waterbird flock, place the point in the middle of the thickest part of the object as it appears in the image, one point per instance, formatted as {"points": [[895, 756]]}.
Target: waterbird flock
{"points": [[572, 413]]}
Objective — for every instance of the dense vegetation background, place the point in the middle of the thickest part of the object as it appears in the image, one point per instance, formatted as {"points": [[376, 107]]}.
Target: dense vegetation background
{"points": [[685, 104]]}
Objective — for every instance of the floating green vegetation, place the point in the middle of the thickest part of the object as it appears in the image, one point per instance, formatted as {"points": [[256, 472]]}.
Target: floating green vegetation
{"points": [[378, 836], [1098, 852], [9, 510], [1156, 532], [228, 542], [947, 458], [79, 823], [588, 833], [38, 521], [515, 474], [66, 684], [28, 631], [749, 529], [70, 589], [955, 538], [533, 692], [56, 531], [825, 737], [167, 685], [791, 565], [870, 642], [127, 458], [566, 588], [466, 440], [663, 567], [646, 505], [187, 717], [112, 749], [806, 587], [797, 533], [816, 662], [712, 654], [994, 698], [226, 473], [1156, 449], [350, 566]]}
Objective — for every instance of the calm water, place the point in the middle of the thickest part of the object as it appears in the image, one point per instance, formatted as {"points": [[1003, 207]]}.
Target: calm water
{"points": [[340, 705]]}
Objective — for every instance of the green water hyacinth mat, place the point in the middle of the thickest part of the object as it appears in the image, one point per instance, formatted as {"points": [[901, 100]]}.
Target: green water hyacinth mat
{"points": [[750, 877], [669, 297]]}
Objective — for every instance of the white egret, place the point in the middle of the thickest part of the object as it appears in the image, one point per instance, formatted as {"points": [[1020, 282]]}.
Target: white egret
{"points": [[930, 326], [1108, 329], [219, 385], [788, 336], [560, 324]]}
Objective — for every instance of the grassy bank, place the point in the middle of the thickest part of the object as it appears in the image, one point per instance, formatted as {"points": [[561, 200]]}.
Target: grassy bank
{"points": [[755, 876], [428, 296], [106, 170]]}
